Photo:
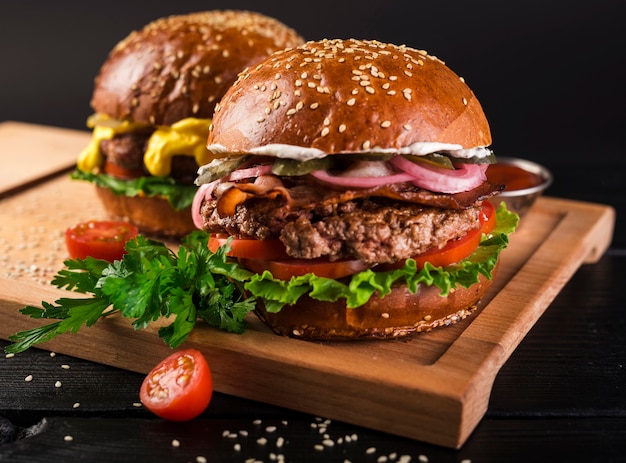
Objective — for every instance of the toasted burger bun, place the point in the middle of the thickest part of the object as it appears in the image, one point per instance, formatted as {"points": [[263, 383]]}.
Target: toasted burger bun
{"points": [[399, 314], [375, 96], [174, 68], [180, 66], [350, 98]]}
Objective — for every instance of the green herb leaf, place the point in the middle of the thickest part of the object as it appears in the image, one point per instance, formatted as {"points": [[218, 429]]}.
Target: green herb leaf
{"points": [[149, 283]]}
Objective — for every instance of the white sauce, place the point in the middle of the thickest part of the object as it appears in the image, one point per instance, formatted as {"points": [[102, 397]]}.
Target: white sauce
{"points": [[301, 153]]}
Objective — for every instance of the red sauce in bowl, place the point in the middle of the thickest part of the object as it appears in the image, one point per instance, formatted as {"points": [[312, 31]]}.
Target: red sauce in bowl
{"points": [[514, 177]]}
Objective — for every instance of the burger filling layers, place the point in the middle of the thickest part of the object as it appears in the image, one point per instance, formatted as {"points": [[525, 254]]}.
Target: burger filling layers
{"points": [[369, 208]]}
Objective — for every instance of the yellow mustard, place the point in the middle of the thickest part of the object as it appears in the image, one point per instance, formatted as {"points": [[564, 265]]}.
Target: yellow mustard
{"points": [[185, 137]]}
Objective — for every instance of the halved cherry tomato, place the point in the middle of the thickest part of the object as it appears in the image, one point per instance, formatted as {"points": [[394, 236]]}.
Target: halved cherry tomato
{"points": [[455, 250], [179, 388], [285, 269], [249, 248], [100, 239]]}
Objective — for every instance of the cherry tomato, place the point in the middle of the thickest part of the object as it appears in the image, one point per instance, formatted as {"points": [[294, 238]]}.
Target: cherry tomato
{"points": [[250, 248], [285, 269], [179, 388], [104, 239]]}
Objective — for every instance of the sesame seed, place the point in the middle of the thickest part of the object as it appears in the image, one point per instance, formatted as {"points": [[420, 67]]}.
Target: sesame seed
{"points": [[68, 438], [370, 450], [270, 429], [298, 83], [385, 124], [29, 378], [342, 128], [57, 384], [325, 131], [328, 443], [76, 405], [299, 105], [201, 459], [423, 459], [318, 447], [137, 404], [370, 90], [261, 441], [311, 85], [291, 112], [326, 121], [366, 145], [351, 102], [465, 101], [9, 356], [175, 443], [314, 105], [237, 447], [393, 78], [384, 315]]}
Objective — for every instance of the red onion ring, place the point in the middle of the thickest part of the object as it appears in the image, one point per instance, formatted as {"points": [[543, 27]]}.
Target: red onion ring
{"points": [[361, 182], [256, 171], [205, 191], [465, 178]]}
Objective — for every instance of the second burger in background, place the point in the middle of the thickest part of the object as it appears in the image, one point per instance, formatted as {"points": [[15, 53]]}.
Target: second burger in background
{"points": [[153, 100]]}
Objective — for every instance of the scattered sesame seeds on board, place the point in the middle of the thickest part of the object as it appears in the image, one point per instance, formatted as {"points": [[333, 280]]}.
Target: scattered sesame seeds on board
{"points": [[32, 227]]}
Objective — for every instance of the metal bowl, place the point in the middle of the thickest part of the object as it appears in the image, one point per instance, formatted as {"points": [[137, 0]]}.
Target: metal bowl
{"points": [[520, 200]]}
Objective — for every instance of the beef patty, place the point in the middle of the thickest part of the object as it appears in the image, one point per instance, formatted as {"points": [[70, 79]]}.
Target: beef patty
{"points": [[375, 230]]}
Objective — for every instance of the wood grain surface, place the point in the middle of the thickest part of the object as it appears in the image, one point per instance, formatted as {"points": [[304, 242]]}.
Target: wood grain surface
{"points": [[434, 387]]}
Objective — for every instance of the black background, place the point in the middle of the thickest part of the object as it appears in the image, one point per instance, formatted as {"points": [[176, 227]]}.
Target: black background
{"points": [[550, 74]]}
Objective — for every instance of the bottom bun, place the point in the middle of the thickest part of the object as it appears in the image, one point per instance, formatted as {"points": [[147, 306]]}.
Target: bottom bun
{"points": [[400, 313], [152, 215]]}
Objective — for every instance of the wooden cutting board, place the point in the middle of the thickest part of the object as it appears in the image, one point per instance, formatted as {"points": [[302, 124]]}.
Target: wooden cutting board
{"points": [[434, 387]]}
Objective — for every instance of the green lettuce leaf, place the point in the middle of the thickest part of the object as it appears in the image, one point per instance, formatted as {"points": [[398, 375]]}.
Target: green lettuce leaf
{"points": [[359, 288], [180, 196]]}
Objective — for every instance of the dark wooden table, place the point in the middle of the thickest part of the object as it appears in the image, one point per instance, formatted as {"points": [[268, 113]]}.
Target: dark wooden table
{"points": [[561, 397]]}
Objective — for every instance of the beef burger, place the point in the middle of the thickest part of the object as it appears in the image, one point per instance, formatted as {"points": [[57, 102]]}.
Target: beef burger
{"points": [[349, 176], [153, 99]]}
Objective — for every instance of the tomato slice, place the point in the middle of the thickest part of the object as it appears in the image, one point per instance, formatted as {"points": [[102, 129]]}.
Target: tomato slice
{"points": [[179, 388], [100, 239], [115, 170], [285, 269], [250, 248]]}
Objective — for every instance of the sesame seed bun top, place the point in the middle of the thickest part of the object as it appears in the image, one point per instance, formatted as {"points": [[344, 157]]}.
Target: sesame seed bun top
{"points": [[180, 66], [348, 96]]}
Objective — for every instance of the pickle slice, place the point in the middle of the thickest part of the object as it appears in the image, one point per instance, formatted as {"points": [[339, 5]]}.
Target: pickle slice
{"points": [[218, 168], [291, 167], [433, 159]]}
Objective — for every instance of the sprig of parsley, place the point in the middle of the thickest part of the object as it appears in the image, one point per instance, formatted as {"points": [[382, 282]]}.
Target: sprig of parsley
{"points": [[149, 283]]}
